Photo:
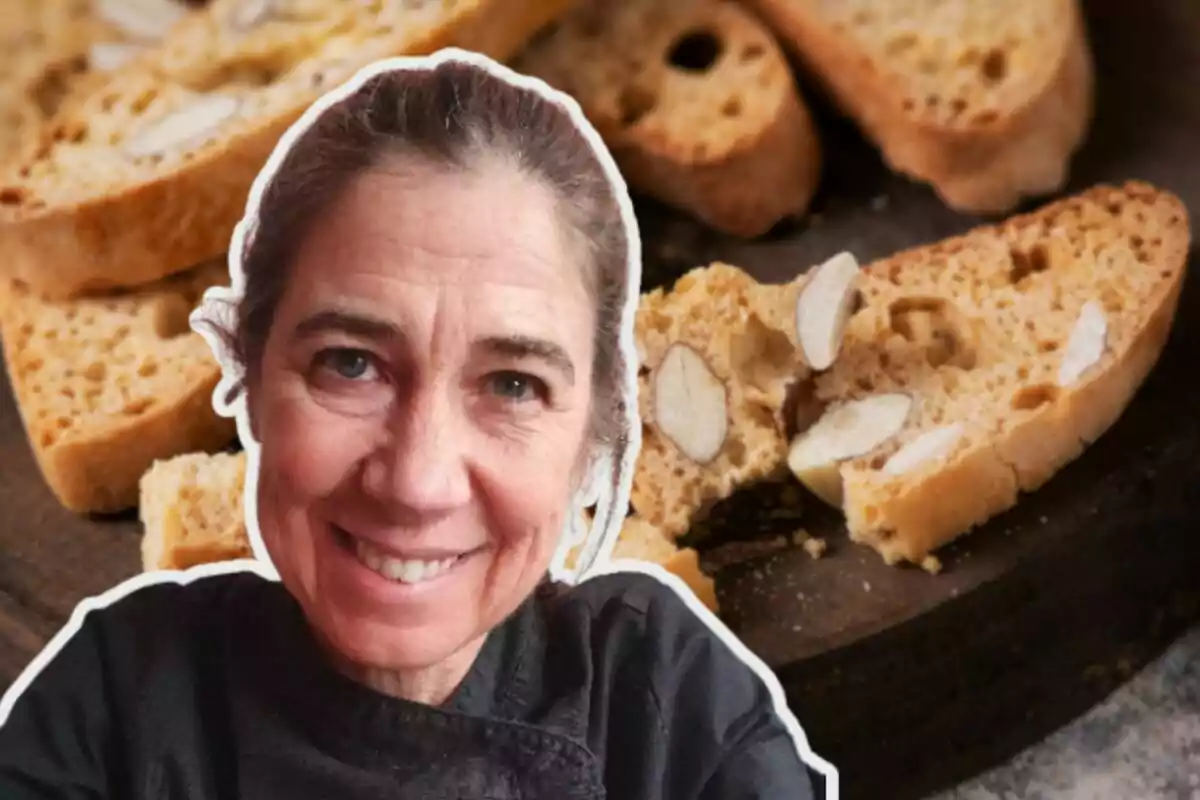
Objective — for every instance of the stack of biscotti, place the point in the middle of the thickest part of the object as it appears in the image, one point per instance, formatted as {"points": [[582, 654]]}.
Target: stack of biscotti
{"points": [[696, 102], [979, 366], [148, 173], [985, 101], [139, 176], [192, 512]]}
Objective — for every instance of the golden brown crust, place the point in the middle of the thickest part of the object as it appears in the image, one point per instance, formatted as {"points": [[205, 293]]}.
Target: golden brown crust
{"points": [[984, 161]]}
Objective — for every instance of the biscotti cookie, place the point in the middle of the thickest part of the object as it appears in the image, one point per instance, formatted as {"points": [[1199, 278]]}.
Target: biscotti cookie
{"points": [[53, 47], [150, 171], [720, 356], [979, 366], [107, 385], [985, 101], [192, 511], [696, 102]]}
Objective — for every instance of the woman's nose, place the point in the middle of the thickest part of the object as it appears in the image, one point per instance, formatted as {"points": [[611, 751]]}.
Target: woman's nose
{"points": [[421, 467]]}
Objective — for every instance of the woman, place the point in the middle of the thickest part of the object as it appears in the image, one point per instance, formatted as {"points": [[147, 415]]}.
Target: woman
{"points": [[435, 299]]}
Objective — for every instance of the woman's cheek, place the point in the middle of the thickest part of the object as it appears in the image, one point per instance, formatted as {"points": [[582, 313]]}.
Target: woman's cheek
{"points": [[316, 447], [529, 480]]}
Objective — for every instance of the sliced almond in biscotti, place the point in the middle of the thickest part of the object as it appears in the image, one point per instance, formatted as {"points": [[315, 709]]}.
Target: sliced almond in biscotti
{"points": [[722, 357], [1019, 344], [696, 101], [106, 385], [985, 101], [150, 171], [192, 511], [844, 431]]}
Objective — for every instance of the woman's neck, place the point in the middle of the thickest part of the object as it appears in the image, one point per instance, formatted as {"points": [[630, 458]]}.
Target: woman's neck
{"points": [[430, 685]]}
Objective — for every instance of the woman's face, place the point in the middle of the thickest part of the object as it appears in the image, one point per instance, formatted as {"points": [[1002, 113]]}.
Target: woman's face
{"points": [[422, 409]]}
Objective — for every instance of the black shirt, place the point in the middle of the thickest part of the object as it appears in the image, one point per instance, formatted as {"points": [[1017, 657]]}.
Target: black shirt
{"points": [[217, 689]]}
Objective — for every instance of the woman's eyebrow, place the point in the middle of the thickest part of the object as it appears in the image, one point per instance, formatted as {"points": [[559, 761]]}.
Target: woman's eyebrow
{"points": [[530, 347], [358, 325]]}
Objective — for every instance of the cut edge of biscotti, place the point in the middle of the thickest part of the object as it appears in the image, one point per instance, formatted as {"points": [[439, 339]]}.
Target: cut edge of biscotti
{"points": [[980, 366], [149, 173], [697, 102], [106, 385], [722, 359], [192, 511], [986, 103]]}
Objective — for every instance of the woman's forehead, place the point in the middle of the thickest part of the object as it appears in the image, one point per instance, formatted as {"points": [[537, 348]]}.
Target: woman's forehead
{"points": [[483, 254], [427, 224]]}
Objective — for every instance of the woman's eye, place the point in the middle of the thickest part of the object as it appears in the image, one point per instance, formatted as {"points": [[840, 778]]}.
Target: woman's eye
{"points": [[515, 386], [346, 363]]}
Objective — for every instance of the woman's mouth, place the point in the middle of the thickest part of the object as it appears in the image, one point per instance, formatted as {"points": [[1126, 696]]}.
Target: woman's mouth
{"points": [[393, 568]]}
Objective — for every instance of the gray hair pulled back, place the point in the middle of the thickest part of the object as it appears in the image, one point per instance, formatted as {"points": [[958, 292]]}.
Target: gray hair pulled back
{"points": [[455, 110]]}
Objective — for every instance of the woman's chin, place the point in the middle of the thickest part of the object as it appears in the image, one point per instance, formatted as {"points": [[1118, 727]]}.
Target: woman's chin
{"points": [[389, 623], [378, 645]]}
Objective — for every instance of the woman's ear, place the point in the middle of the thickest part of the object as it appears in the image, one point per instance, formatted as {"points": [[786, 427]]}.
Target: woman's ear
{"points": [[593, 475]]}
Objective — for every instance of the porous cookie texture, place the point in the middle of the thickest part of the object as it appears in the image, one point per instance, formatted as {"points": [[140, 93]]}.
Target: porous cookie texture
{"points": [[720, 357], [51, 49], [1017, 346], [696, 101], [192, 511], [985, 101], [149, 172], [106, 385]]}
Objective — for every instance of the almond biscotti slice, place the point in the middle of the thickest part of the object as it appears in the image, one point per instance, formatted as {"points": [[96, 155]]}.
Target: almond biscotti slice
{"points": [[696, 101], [150, 171], [192, 511], [721, 355], [980, 366], [106, 385], [986, 101]]}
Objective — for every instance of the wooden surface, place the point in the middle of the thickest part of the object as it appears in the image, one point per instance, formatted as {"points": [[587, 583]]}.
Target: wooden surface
{"points": [[906, 681]]}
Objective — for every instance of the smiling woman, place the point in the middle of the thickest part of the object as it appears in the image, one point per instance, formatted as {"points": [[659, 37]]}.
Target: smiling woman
{"points": [[428, 357]]}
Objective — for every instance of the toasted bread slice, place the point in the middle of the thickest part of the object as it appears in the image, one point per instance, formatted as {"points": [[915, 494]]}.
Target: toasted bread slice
{"points": [[720, 357], [985, 101], [107, 385], [192, 511], [696, 102], [149, 173], [1018, 345]]}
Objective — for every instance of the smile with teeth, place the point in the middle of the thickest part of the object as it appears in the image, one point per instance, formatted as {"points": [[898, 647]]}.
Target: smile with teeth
{"points": [[401, 570]]}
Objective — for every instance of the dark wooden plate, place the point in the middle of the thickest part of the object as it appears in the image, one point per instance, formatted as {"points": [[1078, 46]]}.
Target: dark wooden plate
{"points": [[906, 681]]}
